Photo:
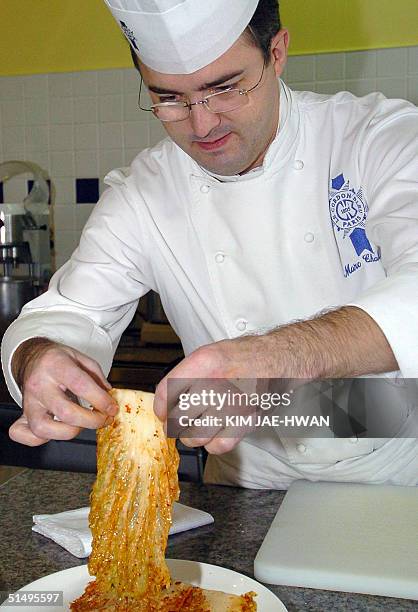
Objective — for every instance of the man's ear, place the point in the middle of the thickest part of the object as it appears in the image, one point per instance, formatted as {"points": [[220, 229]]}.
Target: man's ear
{"points": [[278, 50]]}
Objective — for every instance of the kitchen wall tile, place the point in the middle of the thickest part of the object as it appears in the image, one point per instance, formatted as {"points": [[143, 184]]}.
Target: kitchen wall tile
{"points": [[284, 72], [130, 155], [110, 108], [65, 243], [35, 86], [391, 62], [82, 215], [110, 159], [60, 260], [61, 110], [131, 110], [60, 85], [76, 107], [12, 112], [86, 136], [102, 186], [41, 157], [392, 87], [64, 217], [156, 132], [110, 136], [85, 83], [11, 88], [330, 87], [330, 67], [302, 86], [13, 138], [87, 190], [136, 134], [131, 81], [300, 68], [361, 64], [36, 111], [361, 87], [110, 82], [61, 138], [412, 89], [413, 60], [85, 110], [1, 194], [86, 164], [36, 138], [62, 164], [63, 190], [15, 190]]}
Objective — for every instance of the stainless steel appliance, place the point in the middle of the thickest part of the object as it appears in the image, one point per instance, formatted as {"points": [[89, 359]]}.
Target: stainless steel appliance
{"points": [[25, 255]]}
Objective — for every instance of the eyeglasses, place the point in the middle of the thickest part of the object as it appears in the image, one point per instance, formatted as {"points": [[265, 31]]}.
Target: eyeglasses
{"points": [[225, 101]]}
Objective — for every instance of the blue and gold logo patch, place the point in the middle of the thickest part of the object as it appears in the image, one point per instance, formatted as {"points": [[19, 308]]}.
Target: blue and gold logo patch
{"points": [[348, 210]]}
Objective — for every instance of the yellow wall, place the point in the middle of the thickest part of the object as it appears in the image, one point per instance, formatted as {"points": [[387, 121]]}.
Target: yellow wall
{"points": [[64, 35]]}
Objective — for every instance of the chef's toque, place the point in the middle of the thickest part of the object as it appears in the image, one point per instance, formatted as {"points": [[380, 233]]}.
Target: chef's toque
{"points": [[181, 36]]}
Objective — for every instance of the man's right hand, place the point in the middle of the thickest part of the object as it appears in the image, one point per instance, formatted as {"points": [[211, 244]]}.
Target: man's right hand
{"points": [[49, 375]]}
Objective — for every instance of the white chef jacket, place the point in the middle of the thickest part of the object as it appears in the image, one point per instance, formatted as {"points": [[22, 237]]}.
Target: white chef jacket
{"points": [[330, 219]]}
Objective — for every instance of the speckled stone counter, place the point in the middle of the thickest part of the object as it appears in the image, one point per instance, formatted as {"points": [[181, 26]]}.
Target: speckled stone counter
{"points": [[242, 518]]}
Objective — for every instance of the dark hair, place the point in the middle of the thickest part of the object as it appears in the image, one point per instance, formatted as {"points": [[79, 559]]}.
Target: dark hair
{"points": [[263, 26]]}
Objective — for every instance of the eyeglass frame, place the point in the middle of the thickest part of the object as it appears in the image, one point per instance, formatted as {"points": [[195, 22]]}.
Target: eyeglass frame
{"points": [[188, 104]]}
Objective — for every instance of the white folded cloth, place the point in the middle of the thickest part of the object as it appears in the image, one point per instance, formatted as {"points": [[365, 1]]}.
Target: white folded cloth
{"points": [[71, 529]]}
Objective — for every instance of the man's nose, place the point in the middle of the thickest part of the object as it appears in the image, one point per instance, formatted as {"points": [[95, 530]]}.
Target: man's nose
{"points": [[203, 121]]}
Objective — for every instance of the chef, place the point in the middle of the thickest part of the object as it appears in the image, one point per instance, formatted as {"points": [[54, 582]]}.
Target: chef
{"points": [[279, 228]]}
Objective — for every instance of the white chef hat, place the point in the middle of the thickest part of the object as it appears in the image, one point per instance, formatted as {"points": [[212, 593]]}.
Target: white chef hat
{"points": [[181, 36]]}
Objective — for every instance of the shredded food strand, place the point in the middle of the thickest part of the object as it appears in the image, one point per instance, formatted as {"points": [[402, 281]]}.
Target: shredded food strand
{"points": [[130, 517]]}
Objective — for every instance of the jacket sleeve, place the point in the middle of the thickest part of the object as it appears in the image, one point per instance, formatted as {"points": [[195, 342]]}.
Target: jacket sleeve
{"points": [[93, 297], [388, 163]]}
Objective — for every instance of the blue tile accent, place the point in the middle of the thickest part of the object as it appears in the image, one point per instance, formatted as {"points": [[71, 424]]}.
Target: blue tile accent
{"points": [[1, 194], [30, 185], [87, 190]]}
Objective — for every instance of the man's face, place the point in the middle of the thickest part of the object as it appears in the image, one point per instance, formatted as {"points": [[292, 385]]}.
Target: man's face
{"points": [[233, 142]]}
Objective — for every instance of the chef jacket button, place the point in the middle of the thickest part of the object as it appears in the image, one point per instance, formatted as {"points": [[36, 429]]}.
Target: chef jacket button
{"points": [[353, 440], [205, 188], [241, 325], [298, 165], [220, 257], [309, 237], [301, 448]]}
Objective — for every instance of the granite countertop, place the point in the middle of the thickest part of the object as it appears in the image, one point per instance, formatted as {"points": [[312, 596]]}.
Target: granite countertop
{"points": [[242, 518]]}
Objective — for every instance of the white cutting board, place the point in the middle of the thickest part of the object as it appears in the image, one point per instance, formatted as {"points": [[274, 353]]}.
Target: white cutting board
{"points": [[344, 537]]}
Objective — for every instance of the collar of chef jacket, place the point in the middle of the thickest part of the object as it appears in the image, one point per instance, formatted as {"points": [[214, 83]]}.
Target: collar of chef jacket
{"points": [[282, 145]]}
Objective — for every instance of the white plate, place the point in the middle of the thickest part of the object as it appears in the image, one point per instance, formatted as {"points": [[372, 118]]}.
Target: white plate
{"points": [[74, 580]]}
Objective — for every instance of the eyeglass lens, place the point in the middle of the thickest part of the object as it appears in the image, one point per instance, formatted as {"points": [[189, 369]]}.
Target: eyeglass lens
{"points": [[222, 102]]}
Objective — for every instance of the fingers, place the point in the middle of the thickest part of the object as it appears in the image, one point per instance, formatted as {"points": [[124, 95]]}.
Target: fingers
{"points": [[174, 384], [167, 394], [84, 386], [220, 445], [56, 380], [41, 430], [71, 413], [21, 432], [95, 371]]}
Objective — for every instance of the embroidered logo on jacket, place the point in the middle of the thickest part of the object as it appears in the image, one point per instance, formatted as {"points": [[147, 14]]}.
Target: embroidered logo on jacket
{"points": [[348, 210]]}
